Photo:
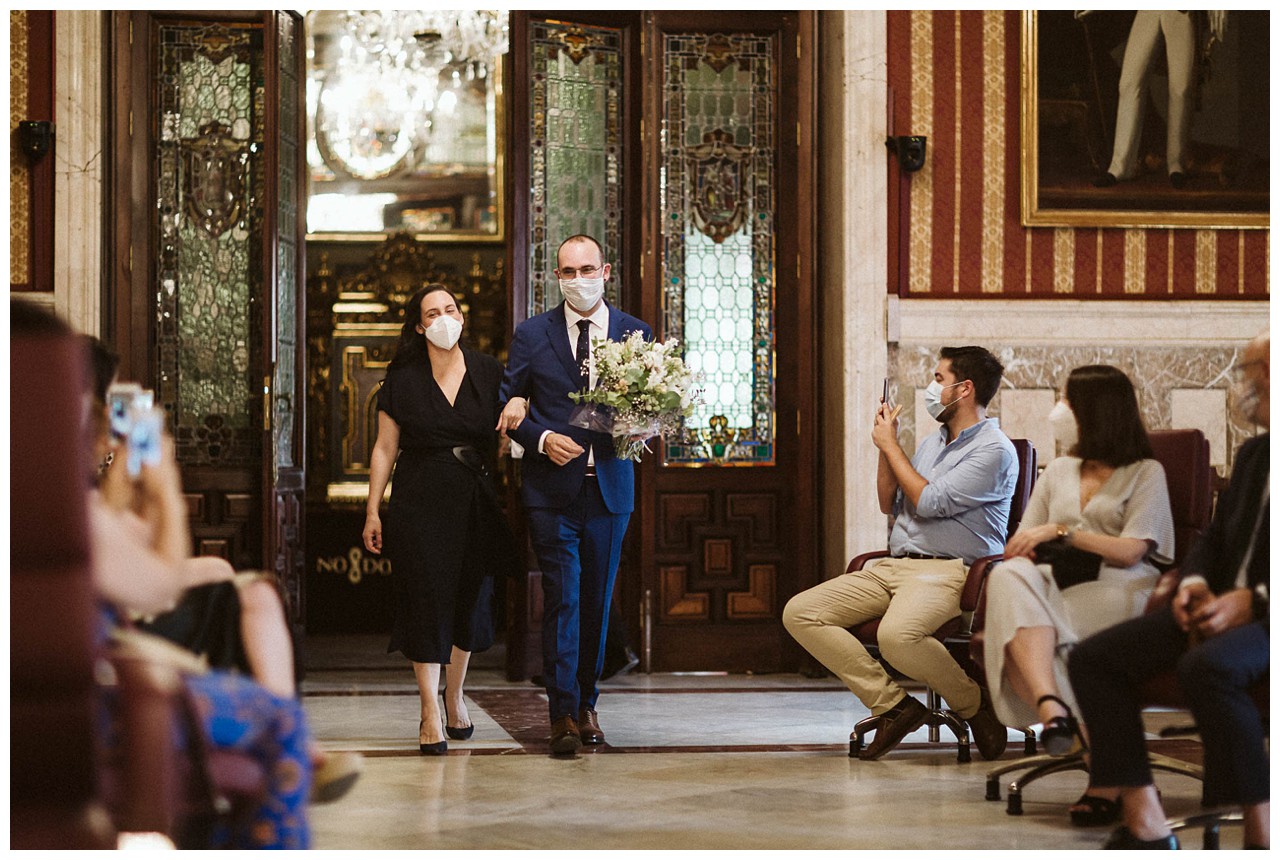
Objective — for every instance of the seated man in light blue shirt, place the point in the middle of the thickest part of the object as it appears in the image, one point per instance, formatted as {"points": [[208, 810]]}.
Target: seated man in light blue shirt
{"points": [[950, 505]]}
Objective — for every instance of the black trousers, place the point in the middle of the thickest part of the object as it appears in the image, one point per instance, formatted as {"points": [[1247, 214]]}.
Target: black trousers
{"points": [[1215, 676]]}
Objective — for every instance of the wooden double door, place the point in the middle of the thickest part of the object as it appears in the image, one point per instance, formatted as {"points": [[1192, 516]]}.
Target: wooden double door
{"points": [[684, 141]]}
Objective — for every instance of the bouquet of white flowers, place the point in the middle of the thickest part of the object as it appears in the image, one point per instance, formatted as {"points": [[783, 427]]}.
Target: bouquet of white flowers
{"points": [[642, 390]]}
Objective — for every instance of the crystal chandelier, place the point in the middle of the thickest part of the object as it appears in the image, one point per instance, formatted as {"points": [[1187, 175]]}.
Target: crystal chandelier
{"points": [[382, 103]]}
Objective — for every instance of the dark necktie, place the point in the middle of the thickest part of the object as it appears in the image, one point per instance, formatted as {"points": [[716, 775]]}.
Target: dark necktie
{"points": [[583, 351]]}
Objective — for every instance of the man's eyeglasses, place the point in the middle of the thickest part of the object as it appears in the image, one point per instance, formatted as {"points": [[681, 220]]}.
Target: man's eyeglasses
{"points": [[585, 272]]}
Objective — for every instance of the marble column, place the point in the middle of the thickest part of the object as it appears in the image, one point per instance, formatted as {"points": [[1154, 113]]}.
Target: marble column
{"points": [[853, 272], [78, 169]]}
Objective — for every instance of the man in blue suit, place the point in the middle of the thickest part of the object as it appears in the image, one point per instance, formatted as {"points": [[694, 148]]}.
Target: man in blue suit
{"points": [[578, 496]]}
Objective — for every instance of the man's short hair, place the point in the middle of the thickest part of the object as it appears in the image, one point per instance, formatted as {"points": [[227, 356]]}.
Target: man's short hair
{"points": [[580, 237], [978, 366]]}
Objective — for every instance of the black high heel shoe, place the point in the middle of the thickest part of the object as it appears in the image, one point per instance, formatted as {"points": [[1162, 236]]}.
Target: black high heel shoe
{"points": [[439, 748], [1097, 811], [458, 734], [1061, 735]]}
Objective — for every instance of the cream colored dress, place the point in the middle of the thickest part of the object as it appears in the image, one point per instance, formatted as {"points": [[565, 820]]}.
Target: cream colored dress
{"points": [[1132, 503]]}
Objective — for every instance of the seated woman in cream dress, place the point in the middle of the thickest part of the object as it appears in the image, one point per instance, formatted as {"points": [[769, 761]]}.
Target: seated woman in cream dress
{"points": [[1107, 497]]}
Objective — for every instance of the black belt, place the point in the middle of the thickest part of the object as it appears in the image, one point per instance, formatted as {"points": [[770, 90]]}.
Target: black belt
{"points": [[464, 454], [922, 556]]}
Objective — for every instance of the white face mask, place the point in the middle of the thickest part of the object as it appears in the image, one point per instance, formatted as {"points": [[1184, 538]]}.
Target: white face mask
{"points": [[582, 294], [933, 400], [1244, 400], [1065, 428], [444, 331]]}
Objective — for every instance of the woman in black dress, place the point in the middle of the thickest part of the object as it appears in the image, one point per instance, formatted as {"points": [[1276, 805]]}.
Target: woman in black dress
{"points": [[446, 536]]}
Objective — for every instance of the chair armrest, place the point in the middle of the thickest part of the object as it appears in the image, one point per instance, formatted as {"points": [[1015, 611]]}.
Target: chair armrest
{"points": [[860, 561], [972, 598]]}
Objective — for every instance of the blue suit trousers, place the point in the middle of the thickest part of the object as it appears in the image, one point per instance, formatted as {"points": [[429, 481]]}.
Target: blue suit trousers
{"points": [[578, 549]]}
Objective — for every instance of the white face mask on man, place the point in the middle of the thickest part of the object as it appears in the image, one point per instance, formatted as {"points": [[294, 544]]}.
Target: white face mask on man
{"points": [[582, 294], [933, 400], [1066, 430], [444, 331]]}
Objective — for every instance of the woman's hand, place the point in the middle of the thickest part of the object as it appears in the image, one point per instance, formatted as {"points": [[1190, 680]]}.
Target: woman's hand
{"points": [[373, 533], [1023, 543], [512, 415]]}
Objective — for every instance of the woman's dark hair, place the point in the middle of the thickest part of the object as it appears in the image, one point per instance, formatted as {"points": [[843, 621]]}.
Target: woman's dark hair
{"points": [[1106, 410], [412, 346], [103, 363]]}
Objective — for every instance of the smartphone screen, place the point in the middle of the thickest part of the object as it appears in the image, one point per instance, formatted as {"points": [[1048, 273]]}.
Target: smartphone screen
{"points": [[120, 403], [146, 427]]}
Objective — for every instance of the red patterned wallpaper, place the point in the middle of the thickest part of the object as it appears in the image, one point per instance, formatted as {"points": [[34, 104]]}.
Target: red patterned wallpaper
{"points": [[955, 76]]}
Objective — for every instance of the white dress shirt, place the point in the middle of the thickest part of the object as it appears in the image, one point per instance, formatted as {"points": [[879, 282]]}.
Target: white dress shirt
{"points": [[599, 329]]}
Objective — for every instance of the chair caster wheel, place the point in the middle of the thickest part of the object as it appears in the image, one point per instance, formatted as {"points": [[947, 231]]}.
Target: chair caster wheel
{"points": [[993, 789], [1015, 804], [963, 756]]}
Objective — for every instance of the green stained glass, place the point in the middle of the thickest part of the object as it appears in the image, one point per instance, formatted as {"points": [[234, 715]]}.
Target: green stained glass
{"points": [[576, 150], [718, 164], [208, 239]]}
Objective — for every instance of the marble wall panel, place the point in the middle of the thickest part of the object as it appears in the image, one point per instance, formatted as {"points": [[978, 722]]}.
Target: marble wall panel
{"points": [[1205, 409], [1201, 375], [1024, 414]]}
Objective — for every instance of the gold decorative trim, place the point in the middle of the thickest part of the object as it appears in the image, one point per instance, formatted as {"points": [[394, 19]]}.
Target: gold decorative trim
{"points": [[349, 492], [19, 171], [354, 358], [920, 274], [993, 151]]}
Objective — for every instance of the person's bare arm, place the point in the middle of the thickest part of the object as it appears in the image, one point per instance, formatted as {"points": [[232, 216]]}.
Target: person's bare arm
{"points": [[385, 451]]}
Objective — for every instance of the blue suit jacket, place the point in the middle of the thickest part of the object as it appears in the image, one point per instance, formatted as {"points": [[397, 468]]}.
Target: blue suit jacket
{"points": [[541, 367]]}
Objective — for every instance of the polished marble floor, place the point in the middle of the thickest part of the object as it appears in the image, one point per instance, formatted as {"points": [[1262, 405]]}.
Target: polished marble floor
{"points": [[692, 761]]}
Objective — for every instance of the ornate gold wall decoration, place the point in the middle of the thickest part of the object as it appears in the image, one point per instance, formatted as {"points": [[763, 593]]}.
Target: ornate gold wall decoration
{"points": [[19, 173]]}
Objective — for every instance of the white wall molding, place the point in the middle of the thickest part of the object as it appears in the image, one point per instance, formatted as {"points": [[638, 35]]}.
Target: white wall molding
{"points": [[1054, 322]]}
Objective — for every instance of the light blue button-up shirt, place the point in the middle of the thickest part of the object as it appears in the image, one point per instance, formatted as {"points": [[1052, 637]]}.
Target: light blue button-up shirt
{"points": [[964, 509]]}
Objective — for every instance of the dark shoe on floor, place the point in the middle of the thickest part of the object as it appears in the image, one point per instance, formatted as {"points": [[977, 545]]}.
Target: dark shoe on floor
{"points": [[989, 734], [1123, 840], [1178, 179], [589, 727], [1106, 180], [1099, 811], [895, 724], [462, 734], [439, 748], [565, 739]]}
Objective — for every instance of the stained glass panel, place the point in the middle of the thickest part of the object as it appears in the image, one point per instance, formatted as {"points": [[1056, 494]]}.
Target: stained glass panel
{"points": [[717, 179], [208, 238], [576, 149]]}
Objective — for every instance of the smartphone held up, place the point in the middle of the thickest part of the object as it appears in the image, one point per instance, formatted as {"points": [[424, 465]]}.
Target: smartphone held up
{"points": [[138, 422]]}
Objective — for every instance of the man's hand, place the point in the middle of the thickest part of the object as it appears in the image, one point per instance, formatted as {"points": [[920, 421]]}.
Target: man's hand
{"points": [[561, 449], [1023, 543], [884, 433], [1185, 603], [1224, 612], [512, 415]]}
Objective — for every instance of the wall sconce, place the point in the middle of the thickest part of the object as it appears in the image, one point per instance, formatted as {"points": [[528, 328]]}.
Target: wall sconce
{"points": [[909, 148], [36, 138]]}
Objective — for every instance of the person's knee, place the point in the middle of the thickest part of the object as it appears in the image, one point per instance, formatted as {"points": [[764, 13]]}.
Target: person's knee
{"points": [[260, 596], [899, 640], [798, 613]]}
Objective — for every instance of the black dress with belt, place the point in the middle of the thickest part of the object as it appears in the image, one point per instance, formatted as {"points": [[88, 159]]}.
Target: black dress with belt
{"points": [[445, 534]]}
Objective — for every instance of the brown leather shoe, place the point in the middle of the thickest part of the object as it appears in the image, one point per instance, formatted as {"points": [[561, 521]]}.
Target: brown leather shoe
{"points": [[895, 724], [589, 727], [565, 739], [988, 732]]}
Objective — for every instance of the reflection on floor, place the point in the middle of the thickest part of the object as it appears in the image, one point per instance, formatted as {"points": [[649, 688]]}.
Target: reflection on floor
{"points": [[692, 761]]}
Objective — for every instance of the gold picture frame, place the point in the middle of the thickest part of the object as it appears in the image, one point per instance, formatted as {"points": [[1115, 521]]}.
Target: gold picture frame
{"points": [[1070, 91]]}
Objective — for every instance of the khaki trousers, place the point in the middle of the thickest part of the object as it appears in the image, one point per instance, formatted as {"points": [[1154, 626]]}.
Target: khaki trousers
{"points": [[914, 597]]}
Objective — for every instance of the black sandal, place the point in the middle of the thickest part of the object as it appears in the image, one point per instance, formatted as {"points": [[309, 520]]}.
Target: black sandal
{"points": [[1101, 811], [1061, 735]]}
